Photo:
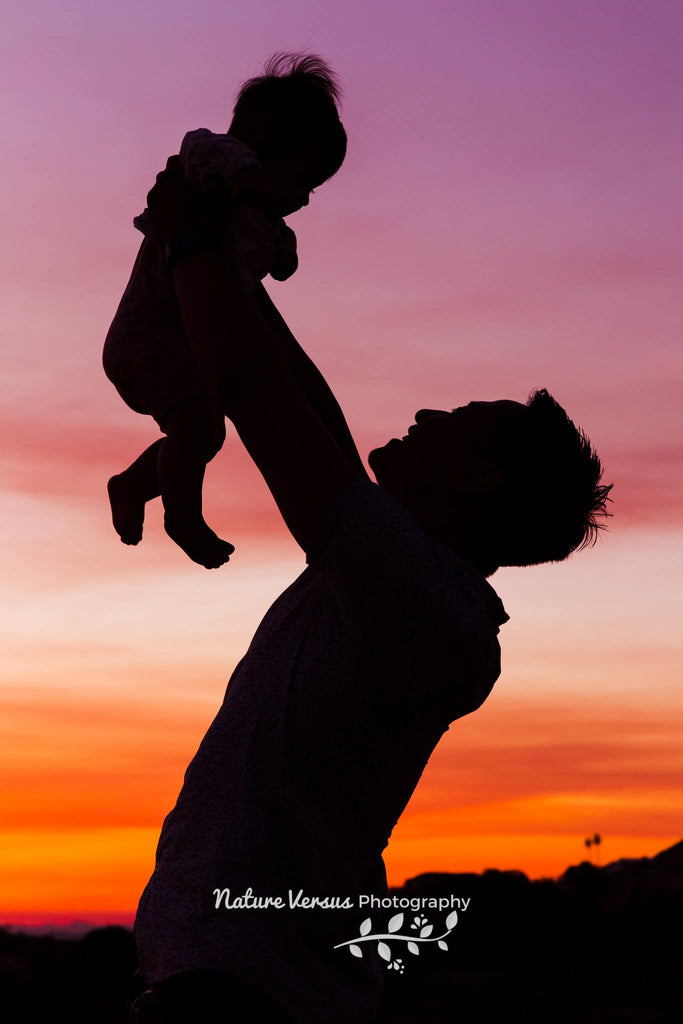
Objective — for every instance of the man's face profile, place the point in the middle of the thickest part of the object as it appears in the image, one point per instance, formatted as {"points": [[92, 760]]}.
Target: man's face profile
{"points": [[461, 452]]}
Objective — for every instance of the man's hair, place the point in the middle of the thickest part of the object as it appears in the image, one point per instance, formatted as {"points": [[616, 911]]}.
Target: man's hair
{"points": [[552, 501], [294, 103]]}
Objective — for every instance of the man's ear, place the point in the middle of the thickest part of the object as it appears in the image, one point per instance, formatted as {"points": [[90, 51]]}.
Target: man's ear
{"points": [[478, 476]]}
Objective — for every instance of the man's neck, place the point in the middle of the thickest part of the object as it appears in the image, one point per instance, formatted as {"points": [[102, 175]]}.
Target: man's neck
{"points": [[456, 534]]}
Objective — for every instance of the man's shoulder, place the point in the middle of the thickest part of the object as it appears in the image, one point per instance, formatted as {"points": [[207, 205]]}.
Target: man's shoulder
{"points": [[392, 571], [364, 507]]}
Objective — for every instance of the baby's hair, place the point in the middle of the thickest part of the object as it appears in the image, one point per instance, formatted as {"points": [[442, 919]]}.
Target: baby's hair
{"points": [[293, 103], [305, 69]]}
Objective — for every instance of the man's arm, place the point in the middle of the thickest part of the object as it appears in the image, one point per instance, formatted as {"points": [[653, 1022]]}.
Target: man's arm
{"points": [[209, 348], [309, 378], [305, 468]]}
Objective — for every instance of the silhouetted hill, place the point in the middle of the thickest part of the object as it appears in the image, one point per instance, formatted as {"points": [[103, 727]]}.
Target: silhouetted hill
{"points": [[44, 980], [601, 945]]}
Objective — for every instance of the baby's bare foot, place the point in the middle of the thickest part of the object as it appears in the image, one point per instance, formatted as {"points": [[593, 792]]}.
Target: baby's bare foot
{"points": [[198, 541], [127, 511]]}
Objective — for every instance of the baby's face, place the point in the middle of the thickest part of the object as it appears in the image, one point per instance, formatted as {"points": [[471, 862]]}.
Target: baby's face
{"points": [[292, 179]]}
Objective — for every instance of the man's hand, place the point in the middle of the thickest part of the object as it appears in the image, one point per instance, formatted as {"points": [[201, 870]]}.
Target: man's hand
{"points": [[251, 188], [173, 205]]}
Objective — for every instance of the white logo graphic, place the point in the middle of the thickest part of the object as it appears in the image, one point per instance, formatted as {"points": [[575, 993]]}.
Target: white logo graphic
{"points": [[419, 924]]}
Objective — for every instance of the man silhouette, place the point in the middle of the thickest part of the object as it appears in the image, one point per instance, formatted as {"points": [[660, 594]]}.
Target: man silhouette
{"points": [[356, 671]]}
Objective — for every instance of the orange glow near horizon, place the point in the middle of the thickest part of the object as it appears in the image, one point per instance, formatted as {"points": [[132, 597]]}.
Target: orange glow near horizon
{"points": [[98, 875], [517, 785]]}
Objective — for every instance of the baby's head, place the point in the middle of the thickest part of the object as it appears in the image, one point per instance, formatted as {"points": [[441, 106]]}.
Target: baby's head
{"points": [[289, 117]]}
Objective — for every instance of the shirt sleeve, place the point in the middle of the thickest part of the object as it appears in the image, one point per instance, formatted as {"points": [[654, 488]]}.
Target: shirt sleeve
{"points": [[261, 243], [210, 159]]}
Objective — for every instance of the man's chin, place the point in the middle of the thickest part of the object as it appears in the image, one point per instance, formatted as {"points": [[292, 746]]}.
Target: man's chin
{"points": [[377, 454], [375, 459], [380, 464]]}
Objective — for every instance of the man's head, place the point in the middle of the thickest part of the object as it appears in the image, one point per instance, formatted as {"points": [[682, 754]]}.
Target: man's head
{"points": [[503, 483], [289, 117]]}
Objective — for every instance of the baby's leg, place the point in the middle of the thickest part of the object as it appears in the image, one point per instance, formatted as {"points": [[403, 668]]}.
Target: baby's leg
{"points": [[128, 492], [195, 432]]}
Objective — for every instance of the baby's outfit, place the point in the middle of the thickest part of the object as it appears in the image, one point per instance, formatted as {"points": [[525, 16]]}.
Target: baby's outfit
{"points": [[146, 353]]}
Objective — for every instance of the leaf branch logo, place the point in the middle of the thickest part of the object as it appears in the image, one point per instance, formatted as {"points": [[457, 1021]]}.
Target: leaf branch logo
{"points": [[392, 935]]}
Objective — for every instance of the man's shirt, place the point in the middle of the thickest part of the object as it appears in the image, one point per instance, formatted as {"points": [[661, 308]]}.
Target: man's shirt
{"points": [[328, 721]]}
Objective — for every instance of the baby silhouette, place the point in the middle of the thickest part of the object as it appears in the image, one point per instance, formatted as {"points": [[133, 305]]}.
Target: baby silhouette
{"points": [[284, 140]]}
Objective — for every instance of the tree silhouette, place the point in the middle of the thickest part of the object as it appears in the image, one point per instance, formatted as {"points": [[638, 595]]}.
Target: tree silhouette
{"points": [[591, 841]]}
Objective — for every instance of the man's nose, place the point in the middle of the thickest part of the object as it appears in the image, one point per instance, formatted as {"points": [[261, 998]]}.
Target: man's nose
{"points": [[422, 414]]}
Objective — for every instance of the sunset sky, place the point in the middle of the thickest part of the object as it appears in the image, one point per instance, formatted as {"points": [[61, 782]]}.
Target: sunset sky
{"points": [[508, 217]]}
